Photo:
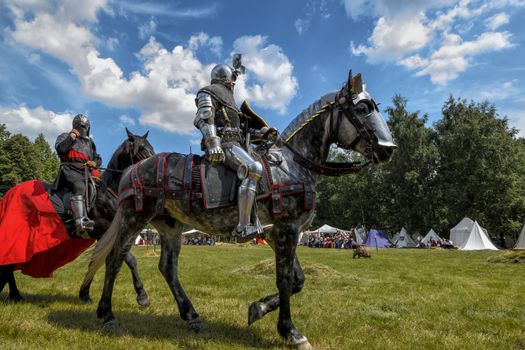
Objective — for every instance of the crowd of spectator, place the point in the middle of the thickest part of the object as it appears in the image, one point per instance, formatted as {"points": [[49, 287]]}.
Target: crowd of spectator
{"points": [[442, 243], [201, 240], [339, 240]]}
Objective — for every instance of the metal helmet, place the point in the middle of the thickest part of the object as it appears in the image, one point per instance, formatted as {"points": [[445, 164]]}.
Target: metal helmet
{"points": [[81, 123], [223, 74]]}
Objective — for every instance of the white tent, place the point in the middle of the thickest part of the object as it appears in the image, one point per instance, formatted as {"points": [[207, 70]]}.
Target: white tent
{"points": [[460, 233], [430, 235], [520, 244], [404, 240], [138, 239], [477, 240], [327, 229]]}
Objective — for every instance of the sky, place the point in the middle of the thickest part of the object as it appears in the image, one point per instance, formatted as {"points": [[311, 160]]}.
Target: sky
{"points": [[138, 64]]}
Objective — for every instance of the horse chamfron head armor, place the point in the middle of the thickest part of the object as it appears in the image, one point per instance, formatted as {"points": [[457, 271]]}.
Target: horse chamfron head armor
{"points": [[360, 110], [82, 124]]}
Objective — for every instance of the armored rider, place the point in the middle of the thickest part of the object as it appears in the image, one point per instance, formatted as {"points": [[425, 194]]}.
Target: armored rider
{"points": [[221, 124], [77, 153]]}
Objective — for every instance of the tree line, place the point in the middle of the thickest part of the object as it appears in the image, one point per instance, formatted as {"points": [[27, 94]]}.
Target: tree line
{"points": [[22, 159], [468, 163]]}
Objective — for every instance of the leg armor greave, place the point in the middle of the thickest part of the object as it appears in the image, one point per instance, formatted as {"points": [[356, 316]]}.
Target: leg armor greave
{"points": [[82, 222], [250, 172]]}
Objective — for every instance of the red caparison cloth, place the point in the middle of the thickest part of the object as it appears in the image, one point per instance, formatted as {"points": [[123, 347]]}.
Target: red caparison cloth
{"points": [[32, 236]]}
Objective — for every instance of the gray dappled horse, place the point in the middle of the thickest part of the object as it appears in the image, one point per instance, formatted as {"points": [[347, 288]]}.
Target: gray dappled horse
{"points": [[132, 150], [348, 118]]}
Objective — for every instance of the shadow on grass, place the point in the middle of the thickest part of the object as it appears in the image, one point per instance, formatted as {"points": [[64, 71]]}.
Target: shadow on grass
{"points": [[44, 299], [166, 327]]}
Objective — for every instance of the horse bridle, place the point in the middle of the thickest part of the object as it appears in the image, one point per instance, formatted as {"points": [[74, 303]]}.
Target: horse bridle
{"points": [[336, 168]]}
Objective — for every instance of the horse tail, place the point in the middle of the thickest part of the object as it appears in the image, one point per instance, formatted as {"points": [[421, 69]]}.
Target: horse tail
{"points": [[103, 247]]}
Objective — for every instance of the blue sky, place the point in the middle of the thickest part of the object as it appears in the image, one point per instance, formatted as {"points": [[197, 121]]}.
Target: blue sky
{"points": [[139, 63]]}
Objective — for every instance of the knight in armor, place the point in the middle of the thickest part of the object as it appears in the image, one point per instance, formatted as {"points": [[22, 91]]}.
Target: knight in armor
{"points": [[221, 124], [78, 154]]}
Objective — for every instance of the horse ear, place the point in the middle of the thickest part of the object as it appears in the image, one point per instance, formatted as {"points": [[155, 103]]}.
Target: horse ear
{"points": [[145, 135], [130, 134], [358, 84], [350, 82]]}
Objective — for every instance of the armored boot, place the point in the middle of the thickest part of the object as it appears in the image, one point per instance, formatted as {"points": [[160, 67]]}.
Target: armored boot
{"points": [[82, 222], [245, 200]]}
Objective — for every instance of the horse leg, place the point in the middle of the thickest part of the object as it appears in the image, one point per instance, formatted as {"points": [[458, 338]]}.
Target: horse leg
{"points": [[7, 276], [142, 296], [285, 246], [171, 239], [126, 225], [270, 303]]}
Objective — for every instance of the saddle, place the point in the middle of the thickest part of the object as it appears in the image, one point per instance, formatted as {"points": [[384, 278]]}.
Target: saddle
{"points": [[194, 180]]}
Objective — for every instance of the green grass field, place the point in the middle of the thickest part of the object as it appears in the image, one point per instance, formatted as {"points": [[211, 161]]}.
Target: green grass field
{"points": [[399, 299]]}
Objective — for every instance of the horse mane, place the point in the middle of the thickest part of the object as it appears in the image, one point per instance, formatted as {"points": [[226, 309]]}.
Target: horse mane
{"points": [[114, 161], [303, 118]]}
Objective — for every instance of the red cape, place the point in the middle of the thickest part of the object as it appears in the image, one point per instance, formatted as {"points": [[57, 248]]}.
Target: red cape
{"points": [[32, 236]]}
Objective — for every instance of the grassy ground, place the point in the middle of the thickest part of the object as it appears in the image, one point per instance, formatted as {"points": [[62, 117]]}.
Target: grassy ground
{"points": [[399, 299]]}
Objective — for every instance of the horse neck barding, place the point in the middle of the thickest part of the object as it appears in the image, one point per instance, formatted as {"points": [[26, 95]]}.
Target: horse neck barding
{"points": [[312, 141]]}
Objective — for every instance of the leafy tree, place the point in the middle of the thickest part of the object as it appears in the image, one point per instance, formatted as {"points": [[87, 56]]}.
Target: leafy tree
{"points": [[19, 162], [408, 178], [481, 166], [47, 163]]}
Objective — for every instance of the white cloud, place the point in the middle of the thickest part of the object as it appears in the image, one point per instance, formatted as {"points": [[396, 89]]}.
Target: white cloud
{"points": [[204, 40], [406, 30], [127, 120], [516, 119], [111, 43], [275, 84], [31, 122], [413, 62], [163, 9], [164, 89], [312, 9], [147, 29], [452, 58], [497, 20], [391, 39]]}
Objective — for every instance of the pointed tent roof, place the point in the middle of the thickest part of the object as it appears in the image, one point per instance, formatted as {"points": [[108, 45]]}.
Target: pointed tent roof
{"points": [[520, 244], [404, 240], [377, 238], [327, 229], [460, 232], [430, 235], [477, 240]]}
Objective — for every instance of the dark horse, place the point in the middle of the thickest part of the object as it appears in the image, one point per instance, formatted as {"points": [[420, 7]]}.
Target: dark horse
{"points": [[348, 118], [134, 149]]}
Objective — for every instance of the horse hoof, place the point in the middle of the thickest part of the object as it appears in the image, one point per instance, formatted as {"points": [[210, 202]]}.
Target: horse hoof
{"points": [[86, 299], [15, 298], [195, 324], [111, 327], [300, 343], [255, 312], [143, 300]]}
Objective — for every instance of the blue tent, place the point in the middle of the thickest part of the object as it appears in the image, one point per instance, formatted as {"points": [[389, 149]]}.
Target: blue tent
{"points": [[377, 239]]}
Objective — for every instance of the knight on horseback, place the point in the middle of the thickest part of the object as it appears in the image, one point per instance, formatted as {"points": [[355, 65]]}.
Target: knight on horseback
{"points": [[78, 154], [222, 124]]}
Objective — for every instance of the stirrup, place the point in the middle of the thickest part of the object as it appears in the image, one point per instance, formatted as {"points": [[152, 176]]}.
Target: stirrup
{"points": [[248, 230], [84, 224]]}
